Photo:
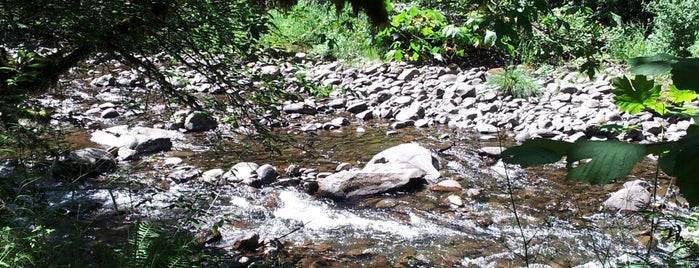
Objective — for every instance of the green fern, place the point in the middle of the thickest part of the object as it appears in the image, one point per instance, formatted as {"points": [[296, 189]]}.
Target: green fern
{"points": [[150, 248]]}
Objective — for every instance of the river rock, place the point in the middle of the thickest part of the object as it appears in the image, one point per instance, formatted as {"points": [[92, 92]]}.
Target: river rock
{"points": [[412, 112], [447, 186], [372, 179], [413, 154], [242, 171], [212, 176], [633, 197], [85, 163], [184, 174], [408, 74], [247, 241], [299, 108], [200, 121], [141, 140], [267, 174]]}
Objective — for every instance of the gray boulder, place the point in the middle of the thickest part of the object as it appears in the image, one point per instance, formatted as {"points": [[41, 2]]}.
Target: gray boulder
{"points": [[633, 197], [136, 141], [200, 121], [184, 174], [413, 154], [373, 179], [266, 174], [243, 171]]}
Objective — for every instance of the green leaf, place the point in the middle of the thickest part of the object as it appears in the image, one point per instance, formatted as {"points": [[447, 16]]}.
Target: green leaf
{"points": [[536, 152], [679, 96], [490, 38], [601, 162], [684, 74], [633, 96], [652, 65], [686, 169]]}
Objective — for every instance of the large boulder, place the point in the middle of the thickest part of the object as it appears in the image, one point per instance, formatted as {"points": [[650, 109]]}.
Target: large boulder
{"points": [[373, 179], [633, 197], [413, 154], [394, 168], [136, 141]]}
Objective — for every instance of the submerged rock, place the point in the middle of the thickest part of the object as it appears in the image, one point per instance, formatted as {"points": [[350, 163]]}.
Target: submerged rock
{"points": [[84, 163]]}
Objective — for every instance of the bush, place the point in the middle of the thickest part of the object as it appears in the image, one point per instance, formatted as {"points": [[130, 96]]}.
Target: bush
{"points": [[424, 35], [564, 34], [317, 28], [675, 25]]}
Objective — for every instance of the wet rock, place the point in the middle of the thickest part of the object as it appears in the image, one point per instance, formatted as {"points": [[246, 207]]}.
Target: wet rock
{"points": [[293, 170], [137, 140], [455, 200], [299, 108], [200, 121], [633, 197], [310, 127], [365, 115], [343, 166], [447, 186], [493, 151], [267, 174], [184, 174], [109, 113], [413, 154], [386, 203], [340, 121], [372, 179], [212, 176], [357, 107], [403, 124], [248, 241], [85, 163], [243, 171]]}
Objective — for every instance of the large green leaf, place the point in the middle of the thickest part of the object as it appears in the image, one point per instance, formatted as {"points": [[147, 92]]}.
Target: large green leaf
{"points": [[684, 74], [686, 169], [652, 65], [601, 162], [634, 96], [535, 152], [680, 96]]}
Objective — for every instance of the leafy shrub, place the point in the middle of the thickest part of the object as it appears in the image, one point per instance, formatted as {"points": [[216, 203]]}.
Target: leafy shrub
{"points": [[319, 29], [514, 82], [675, 25], [424, 34], [566, 33], [21, 249]]}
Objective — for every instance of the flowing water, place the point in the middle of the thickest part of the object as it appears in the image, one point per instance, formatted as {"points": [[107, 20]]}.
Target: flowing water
{"points": [[510, 217], [558, 223]]}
